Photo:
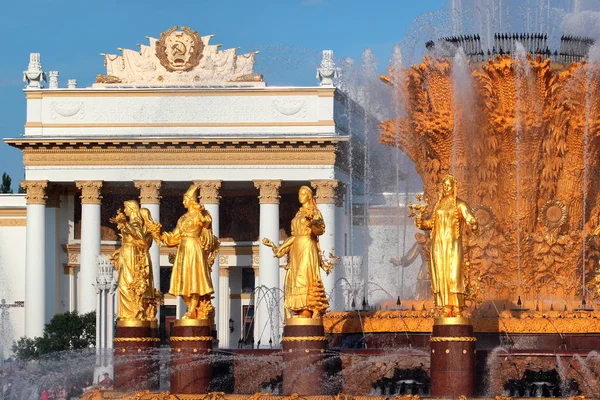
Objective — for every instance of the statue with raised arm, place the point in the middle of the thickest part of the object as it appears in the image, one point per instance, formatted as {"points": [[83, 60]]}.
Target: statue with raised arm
{"points": [[304, 291], [450, 216], [138, 299], [421, 249], [196, 252]]}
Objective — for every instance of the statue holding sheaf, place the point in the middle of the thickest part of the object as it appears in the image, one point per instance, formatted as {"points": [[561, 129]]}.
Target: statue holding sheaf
{"points": [[138, 298]]}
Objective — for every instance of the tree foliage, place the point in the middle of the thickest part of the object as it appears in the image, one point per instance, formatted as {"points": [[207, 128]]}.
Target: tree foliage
{"points": [[67, 331], [5, 187]]}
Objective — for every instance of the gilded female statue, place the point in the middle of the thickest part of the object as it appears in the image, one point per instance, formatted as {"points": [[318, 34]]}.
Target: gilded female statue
{"points": [[304, 291], [137, 295], [449, 217], [197, 248]]}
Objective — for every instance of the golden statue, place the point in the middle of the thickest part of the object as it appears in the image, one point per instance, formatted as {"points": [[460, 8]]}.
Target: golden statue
{"points": [[138, 299], [304, 292], [449, 217], [194, 259]]}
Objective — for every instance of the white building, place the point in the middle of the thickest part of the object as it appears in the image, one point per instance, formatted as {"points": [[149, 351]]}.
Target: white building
{"points": [[175, 112]]}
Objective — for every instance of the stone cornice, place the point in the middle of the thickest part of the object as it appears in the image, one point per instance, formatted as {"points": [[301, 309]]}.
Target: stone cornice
{"points": [[36, 191], [209, 191], [326, 190], [90, 191], [269, 191], [149, 191]]}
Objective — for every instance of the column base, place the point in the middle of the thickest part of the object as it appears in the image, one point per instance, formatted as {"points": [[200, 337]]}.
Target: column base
{"points": [[452, 358], [191, 351], [304, 346], [136, 356]]}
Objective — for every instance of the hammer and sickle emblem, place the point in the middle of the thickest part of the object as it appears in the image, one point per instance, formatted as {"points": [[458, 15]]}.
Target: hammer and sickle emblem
{"points": [[179, 49]]}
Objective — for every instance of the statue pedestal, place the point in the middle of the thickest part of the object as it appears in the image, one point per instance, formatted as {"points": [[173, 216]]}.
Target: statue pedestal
{"points": [[191, 347], [304, 346], [452, 358], [136, 356]]}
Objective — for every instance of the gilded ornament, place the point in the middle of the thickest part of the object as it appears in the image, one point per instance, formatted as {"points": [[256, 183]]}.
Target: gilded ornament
{"points": [[553, 214], [179, 50]]}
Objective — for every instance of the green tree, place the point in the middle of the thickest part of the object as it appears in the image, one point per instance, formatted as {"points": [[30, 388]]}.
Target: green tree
{"points": [[67, 331], [6, 183]]}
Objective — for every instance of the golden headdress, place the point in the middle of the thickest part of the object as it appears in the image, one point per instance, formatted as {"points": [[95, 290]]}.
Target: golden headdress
{"points": [[191, 192]]}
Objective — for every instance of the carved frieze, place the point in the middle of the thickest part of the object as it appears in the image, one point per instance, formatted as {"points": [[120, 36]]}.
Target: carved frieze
{"points": [[90, 191], [67, 109], [209, 191], [326, 190], [149, 191], [289, 107], [269, 191], [36, 191]]}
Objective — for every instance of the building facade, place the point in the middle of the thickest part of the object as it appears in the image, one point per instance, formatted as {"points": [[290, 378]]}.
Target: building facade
{"points": [[179, 111]]}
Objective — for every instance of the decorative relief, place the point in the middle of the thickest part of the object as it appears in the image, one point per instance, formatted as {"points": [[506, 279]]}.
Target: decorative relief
{"points": [[149, 191], [179, 50], [180, 57], [90, 191], [223, 260], [289, 108], [269, 191], [36, 191], [13, 222], [67, 109], [326, 190], [209, 191]]}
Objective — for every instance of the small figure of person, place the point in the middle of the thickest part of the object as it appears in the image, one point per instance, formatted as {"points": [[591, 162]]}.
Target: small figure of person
{"points": [[106, 383], [196, 252], [304, 291], [450, 216]]}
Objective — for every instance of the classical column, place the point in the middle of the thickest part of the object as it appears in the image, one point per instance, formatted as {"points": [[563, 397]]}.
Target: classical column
{"points": [[90, 241], [209, 197], [267, 295], [224, 308], [35, 261], [325, 198], [52, 265], [150, 199], [70, 275]]}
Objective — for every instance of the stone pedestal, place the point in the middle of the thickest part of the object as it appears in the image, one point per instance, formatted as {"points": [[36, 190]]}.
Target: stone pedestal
{"points": [[452, 358], [136, 356], [304, 346], [191, 347]]}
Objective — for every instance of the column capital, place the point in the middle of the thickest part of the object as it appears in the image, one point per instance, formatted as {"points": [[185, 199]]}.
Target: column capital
{"points": [[90, 191], [149, 191], [269, 191], [256, 271], [36, 191], [223, 271], [209, 191], [326, 193]]}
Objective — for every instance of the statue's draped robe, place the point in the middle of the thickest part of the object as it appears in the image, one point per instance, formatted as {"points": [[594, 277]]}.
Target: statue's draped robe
{"points": [[135, 270], [303, 285], [446, 258], [191, 272]]}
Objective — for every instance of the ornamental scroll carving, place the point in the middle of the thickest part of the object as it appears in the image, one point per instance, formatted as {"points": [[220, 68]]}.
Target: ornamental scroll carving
{"points": [[90, 191], [269, 191], [326, 190], [209, 191], [36, 191], [149, 191]]}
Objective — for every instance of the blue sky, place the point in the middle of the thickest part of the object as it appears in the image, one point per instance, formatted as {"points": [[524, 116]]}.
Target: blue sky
{"points": [[289, 34]]}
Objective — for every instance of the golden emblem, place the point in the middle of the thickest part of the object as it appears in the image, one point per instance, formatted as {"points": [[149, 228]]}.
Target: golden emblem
{"points": [[179, 50]]}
